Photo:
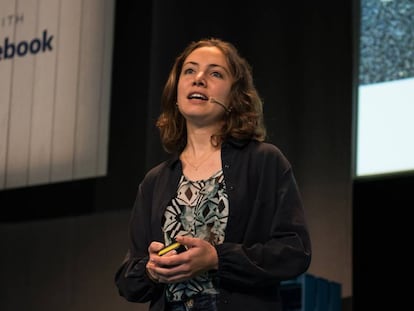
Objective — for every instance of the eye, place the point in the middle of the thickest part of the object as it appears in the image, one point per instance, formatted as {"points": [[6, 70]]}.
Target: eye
{"points": [[188, 71], [217, 74]]}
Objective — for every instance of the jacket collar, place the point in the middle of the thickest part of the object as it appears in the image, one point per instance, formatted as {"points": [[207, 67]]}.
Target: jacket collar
{"points": [[228, 143]]}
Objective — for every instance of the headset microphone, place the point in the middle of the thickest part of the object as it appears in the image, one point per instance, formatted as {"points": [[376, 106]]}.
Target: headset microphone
{"points": [[213, 100]]}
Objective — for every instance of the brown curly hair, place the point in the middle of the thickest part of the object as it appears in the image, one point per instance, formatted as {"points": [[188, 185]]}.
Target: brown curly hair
{"points": [[244, 121]]}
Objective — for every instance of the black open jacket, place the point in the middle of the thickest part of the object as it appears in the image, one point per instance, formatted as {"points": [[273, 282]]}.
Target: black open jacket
{"points": [[266, 238]]}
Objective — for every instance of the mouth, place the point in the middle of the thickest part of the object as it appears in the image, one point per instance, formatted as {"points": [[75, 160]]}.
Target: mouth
{"points": [[197, 96]]}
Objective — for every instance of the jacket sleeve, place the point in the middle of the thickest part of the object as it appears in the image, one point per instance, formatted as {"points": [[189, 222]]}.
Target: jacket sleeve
{"points": [[131, 278], [270, 241]]}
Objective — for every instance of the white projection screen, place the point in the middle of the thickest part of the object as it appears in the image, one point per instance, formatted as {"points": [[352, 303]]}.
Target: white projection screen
{"points": [[385, 101], [55, 81]]}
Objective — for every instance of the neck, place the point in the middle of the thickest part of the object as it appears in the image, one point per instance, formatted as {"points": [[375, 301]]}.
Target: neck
{"points": [[196, 158], [199, 137], [198, 145]]}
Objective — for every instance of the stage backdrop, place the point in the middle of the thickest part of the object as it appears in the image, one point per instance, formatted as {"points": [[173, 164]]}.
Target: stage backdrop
{"points": [[55, 76]]}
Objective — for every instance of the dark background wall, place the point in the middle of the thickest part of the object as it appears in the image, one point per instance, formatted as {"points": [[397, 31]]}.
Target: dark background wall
{"points": [[302, 63], [68, 238]]}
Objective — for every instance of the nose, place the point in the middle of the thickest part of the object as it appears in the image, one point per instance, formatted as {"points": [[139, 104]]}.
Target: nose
{"points": [[199, 80]]}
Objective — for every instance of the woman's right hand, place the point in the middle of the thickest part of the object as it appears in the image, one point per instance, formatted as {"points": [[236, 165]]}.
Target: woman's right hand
{"points": [[153, 250]]}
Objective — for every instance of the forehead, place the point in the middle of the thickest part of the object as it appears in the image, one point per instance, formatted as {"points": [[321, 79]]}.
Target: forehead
{"points": [[207, 55]]}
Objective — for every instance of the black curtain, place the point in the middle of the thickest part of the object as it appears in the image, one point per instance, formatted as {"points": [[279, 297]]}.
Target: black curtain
{"points": [[269, 36]]}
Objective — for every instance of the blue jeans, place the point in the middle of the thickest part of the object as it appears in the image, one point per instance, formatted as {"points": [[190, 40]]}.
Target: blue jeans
{"points": [[197, 303]]}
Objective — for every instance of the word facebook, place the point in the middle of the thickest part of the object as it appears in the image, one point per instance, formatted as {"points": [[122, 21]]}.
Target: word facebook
{"points": [[10, 50]]}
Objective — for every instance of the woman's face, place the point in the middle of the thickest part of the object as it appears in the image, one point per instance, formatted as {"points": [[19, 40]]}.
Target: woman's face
{"points": [[204, 86]]}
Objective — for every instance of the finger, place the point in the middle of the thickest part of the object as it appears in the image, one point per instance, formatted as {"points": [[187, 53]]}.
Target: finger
{"points": [[185, 240], [154, 247]]}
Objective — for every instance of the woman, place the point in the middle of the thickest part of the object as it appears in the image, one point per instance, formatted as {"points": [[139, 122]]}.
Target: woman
{"points": [[226, 195]]}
